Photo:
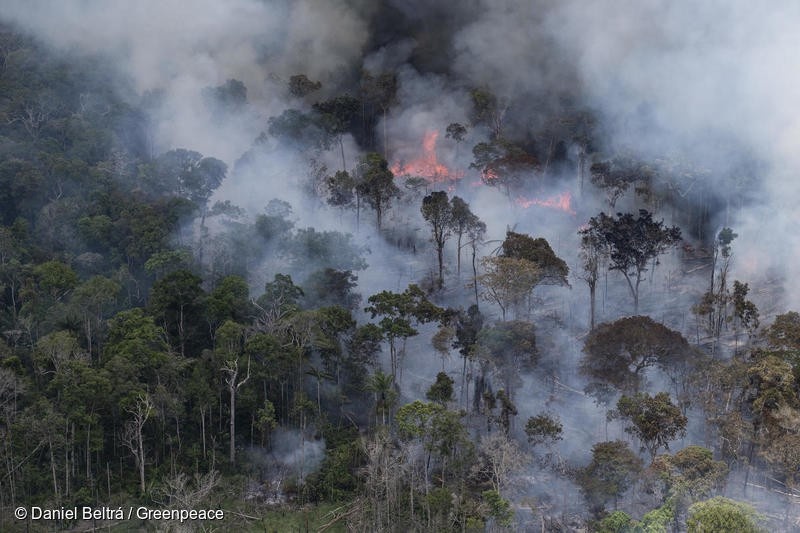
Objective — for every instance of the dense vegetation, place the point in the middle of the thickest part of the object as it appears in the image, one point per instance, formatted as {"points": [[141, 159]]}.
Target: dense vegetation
{"points": [[165, 348]]}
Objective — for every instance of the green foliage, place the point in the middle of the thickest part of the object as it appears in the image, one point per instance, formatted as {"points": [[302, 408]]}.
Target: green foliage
{"points": [[619, 352], [656, 521], [376, 184], [498, 507], [616, 522], [508, 281], [330, 286], [691, 473], [633, 243], [398, 311], [617, 175], [537, 251], [543, 429], [502, 162], [654, 420], [327, 249], [441, 391], [299, 130], [300, 85], [721, 515], [612, 470], [438, 213], [510, 343], [456, 131], [55, 278]]}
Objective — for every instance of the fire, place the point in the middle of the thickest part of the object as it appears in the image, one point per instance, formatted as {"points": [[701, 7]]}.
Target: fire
{"points": [[562, 202], [427, 164]]}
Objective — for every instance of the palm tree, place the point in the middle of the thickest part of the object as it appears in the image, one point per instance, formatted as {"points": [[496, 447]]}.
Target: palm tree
{"points": [[382, 386]]}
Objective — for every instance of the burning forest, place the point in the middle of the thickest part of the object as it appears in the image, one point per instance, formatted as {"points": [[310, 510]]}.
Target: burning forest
{"points": [[399, 266]]}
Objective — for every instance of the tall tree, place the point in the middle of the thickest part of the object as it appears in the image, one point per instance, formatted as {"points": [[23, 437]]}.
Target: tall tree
{"points": [[376, 184], [461, 221], [177, 299], [230, 348], [633, 244], [338, 117], [380, 90], [399, 312], [592, 254], [438, 213], [475, 233]]}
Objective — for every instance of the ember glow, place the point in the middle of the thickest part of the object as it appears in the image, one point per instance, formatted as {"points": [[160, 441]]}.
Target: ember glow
{"points": [[427, 164], [562, 202]]}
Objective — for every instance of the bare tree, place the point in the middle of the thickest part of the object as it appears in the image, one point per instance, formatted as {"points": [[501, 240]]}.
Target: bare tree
{"points": [[231, 368], [132, 434], [500, 457]]}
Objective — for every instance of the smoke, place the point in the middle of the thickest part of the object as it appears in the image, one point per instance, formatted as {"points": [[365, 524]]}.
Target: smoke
{"points": [[716, 82]]}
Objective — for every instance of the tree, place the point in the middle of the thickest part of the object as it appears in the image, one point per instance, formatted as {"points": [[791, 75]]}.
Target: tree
{"points": [[543, 429], [133, 435], [511, 346], [298, 130], [230, 96], [475, 233], [592, 254], [229, 337], [619, 352], [537, 251], [398, 311], [300, 85], [714, 303], [280, 300], [745, 312], [341, 189], [633, 243], [612, 470], [441, 391], [338, 116], [438, 213], [690, 474], [616, 175], [487, 110], [382, 386], [499, 458], [467, 327], [508, 281], [229, 300], [376, 184], [190, 175], [177, 300], [457, 132], [328, 249], [462, 219], [94, 298], [504, 163], [719, 515], [332, 287], [784, 332], [654, 420], [380, 90]]}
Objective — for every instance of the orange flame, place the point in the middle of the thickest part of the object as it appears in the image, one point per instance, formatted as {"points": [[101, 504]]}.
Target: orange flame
{"points": [[562, 202], [427, 165]]}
